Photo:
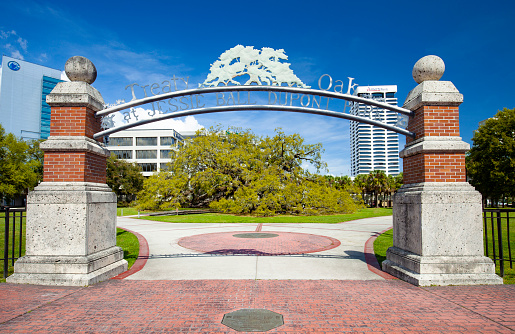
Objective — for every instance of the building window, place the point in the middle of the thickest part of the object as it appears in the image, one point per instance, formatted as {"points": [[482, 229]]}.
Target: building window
{"points": [[48, 84], [146, 154], [166, 154], [120, 141], [167, 141], [125, 154], [146, 141], [164, 166], [148, 167]]}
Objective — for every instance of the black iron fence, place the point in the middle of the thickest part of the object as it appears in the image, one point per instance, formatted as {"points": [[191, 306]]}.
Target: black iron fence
{"points": [[14, 245], [498, 241]]}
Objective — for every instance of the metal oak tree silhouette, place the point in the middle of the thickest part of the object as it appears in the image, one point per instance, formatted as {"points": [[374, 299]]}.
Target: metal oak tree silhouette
{"points": [[264, 67]]}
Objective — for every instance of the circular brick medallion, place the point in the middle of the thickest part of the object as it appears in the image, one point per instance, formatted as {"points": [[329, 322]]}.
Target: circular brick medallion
{"points": [[274, 243]]}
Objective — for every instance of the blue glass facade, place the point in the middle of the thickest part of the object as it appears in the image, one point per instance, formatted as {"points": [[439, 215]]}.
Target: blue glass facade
{"points": [[48, 85]]}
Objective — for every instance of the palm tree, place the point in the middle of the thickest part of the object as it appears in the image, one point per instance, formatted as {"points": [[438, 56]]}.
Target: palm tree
{"points": [[377, 182], [360, 181]]}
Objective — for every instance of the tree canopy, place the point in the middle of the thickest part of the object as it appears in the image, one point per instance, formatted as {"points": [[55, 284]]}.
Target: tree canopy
{"points": [[236, 171], [491, 160], [20, 165], [124, 178]]}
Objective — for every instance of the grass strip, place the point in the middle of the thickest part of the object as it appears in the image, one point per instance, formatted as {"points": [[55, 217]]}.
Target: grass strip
{"points": [[128, 211], [381, 244], [219, 218], [10, 269], [130, 245], [509, 273]]}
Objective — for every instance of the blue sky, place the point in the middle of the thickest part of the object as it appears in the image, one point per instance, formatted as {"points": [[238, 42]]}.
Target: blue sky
{"points": [[375, 42]]}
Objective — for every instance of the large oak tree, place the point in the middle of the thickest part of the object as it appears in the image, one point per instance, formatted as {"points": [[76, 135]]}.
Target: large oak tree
{"points": [[236, 171]]}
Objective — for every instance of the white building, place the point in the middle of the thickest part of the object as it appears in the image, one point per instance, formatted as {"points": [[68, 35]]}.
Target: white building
{"points": [[150, 148], [23, 90], [374, 148]]}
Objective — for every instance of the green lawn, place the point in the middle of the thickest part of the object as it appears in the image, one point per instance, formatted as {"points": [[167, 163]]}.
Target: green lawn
{"points": [[226, 218], [130, 245], [509, 273], [2, 240], [381, 244], [128, 211]]}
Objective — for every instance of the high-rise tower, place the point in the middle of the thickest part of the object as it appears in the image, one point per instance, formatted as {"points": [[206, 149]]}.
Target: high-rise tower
{"points": [[374, 148]]}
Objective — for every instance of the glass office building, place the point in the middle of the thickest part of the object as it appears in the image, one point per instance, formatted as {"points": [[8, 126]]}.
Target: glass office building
{"points": [[23, 90], [374, 148], [151, 149]]}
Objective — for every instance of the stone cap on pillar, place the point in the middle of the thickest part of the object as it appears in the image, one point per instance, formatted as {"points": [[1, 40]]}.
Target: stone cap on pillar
{"points": [[431, 92], [74, 144], [434, 144], [75, 94], [78, 92]]}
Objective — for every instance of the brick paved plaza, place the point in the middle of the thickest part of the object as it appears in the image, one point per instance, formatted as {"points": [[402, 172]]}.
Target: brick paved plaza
{"points": [[308, 306]]}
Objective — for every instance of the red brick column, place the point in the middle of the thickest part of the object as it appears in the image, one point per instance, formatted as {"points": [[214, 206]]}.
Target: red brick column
{"points": [[71, 153], [79, 165], [427, 166]]}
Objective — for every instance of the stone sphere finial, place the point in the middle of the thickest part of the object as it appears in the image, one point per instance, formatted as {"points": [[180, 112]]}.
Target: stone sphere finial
{"points": [[428, 68], [79, 68]]}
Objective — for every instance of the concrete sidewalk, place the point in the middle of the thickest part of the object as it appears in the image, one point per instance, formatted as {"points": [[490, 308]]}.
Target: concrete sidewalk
{"points": [[292, 258]]}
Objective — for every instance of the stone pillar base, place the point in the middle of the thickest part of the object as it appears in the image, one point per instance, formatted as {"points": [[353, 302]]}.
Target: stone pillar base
{"points": [[440, 270], [71, 236], [69, 270], [438, 236]]}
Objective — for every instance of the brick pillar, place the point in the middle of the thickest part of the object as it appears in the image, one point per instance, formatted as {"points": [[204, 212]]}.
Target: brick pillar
{"points": [[437, 215], [71, 215]]}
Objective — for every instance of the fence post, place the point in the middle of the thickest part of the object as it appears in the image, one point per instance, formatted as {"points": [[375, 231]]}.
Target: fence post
{"points": [[6, 242], [21, 232], [499, 237], [13, 246], [485, 230]]}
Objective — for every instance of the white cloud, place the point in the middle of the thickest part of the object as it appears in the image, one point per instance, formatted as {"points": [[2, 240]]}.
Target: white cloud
{"points": [[13, 50], [6, 34], [16, 54], [43, 57], [23, 43]]}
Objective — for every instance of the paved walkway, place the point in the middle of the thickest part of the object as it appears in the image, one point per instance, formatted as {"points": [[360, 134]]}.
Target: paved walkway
{"points": [[295, 251], [175, 303]]}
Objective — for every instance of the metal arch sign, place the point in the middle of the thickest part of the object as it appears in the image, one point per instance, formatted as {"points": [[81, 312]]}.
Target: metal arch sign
{"points": [[262, 91]]}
